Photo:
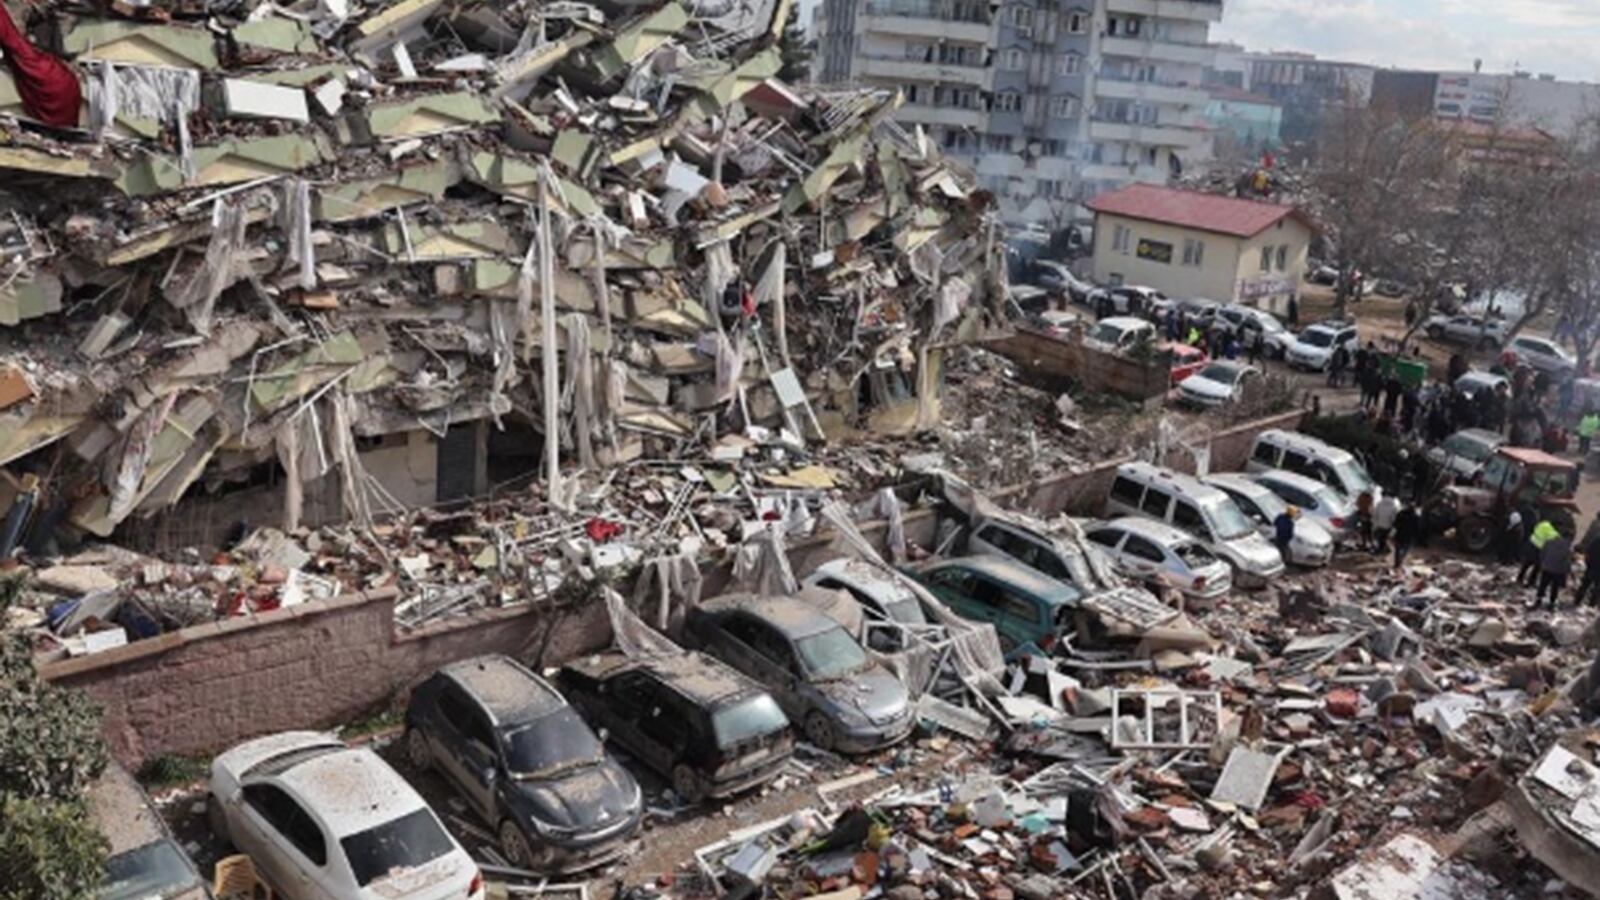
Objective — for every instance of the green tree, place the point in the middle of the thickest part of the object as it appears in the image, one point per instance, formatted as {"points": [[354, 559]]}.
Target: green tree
{"points": [[50, 752], [794, 49]]}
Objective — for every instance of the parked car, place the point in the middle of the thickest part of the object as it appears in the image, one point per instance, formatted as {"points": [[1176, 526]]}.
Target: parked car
{"points": [[1389, 287], [882, 597], [323, 821], [1064, 555], [1027, 301], [1323, 275], [526, 762], [1133, 300], [1311, 545], [1184, 360], [1119, 334], [1203, 313], [1057, 322], [1055, 276], [1247, 321], [1313, 347], [1314, 458], [1331, 509], [1473, 382], [1207, 514], [143, 861], [1218, 384], [1542, 354], [709, 730], [817, 672], [1152, 551], [1464, 453], [1475, 331], [1024, 605]]}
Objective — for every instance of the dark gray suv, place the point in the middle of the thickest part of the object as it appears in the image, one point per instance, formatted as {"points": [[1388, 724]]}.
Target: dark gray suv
{"points": [[522, 757]]}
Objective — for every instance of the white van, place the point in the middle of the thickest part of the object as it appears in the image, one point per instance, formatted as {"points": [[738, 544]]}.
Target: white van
{"points": [[1313, 458], [1208, 514], [1119, 334]]}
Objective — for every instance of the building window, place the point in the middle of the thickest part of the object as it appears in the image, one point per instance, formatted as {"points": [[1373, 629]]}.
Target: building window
{"points": [[1022, 19], [1013, 60], [1007, 101], [1283, 258], [997, 143], [1071, 64], [1121, 239], [1064, 107], [1266, 259], [1052, 147], [1194, 252], [1077, 23], [916, 52]]}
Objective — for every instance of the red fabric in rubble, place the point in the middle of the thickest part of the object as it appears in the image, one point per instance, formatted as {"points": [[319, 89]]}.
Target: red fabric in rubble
{"points": [[48, 86]]}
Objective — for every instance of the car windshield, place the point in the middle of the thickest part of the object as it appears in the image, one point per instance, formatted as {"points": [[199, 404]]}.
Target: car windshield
{"points": [[550, 744], [1353, 476], [1269, 504], [749, 718], [154, 870], [1194, 556], [412, 840], [1268, 323], [1226, 521], [1106, 333], [1317, 338], [1467, 448], [1328, 499], [1221, 374], [905, 610], [831, 654]]}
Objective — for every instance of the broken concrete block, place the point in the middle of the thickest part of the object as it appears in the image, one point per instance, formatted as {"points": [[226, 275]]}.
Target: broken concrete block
{"points": [[254, 100], [14, 387], [1488, 633]]}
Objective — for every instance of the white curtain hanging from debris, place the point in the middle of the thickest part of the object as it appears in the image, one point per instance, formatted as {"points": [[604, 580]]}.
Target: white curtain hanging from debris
{"points": [[197, 294], [729, 366], [297, 225], [580, 386], [761, 564], [128, 473], [156, 93], [630, 633], [669, 578]]}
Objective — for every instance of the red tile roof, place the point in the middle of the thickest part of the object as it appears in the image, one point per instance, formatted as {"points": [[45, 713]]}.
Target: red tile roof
{"points": [[1190, 209]]}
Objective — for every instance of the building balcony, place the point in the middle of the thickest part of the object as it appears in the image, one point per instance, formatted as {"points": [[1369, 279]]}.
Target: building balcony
{"points": [[1167, 51], [1189, 10], [1178, 136], [1124, 172], [901, 70], [922, 27], [949, 116], [1178, 95]]}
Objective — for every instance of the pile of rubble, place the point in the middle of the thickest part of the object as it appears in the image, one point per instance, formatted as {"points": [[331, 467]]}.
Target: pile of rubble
{"points": [[269, 238], [1371, 735]]}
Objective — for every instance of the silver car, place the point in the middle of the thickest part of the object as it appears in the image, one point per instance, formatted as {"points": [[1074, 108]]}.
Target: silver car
{"points": [[815, 670], [1331, 509], [1152, 551], [1312, 544], [1465, 452]]}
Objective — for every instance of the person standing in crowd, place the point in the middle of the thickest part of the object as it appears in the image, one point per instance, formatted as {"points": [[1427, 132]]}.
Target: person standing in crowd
{"points": [[1533, 550], [1407, 531], [1589, 587], [1383, 515], [1555, 562], [1283, 530], [1257, 340], [1364, 520], [1392, 389], [1587, 426], [1512, 537], [1408, 410]]}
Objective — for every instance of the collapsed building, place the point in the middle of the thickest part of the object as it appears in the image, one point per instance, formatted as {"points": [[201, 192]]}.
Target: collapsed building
{"points": [[292, 265]]}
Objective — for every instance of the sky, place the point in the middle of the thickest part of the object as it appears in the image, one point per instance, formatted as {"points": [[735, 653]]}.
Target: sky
{"points": [[1557, 36]]}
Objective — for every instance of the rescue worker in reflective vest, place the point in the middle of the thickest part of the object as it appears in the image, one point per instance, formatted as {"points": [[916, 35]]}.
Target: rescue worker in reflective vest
{"points": [[1542, 533]]}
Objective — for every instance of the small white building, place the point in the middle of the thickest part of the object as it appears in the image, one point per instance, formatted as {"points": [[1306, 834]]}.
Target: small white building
{"points": [[1188, 244]]}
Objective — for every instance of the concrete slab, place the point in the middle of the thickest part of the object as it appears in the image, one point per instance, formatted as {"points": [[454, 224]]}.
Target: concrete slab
{"points": [[253, 100]]}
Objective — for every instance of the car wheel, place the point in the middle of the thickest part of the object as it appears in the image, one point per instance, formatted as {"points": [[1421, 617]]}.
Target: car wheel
{"points": [[217, 820], [514, 846], [1436, 333], [417, 752], [820, 730], [687, 784]]}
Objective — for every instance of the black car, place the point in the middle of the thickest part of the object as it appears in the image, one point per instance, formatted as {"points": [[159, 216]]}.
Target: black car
{"points": [[707, 728], [523, 758]]}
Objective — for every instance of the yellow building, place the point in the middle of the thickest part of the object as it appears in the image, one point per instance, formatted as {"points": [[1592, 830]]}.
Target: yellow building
{"points": [[1187, 245]]}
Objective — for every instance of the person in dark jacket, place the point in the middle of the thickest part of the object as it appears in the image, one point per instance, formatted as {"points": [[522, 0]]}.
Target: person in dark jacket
{"points": [[1407, 530], [1589, 587], [1341, 358], [1392, 389], [1283, 530], [1555, 563]]}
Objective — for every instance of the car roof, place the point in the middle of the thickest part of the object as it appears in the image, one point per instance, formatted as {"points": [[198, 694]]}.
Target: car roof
{"points": [[1305, 442], [1126, 322], [1235, 481], [1296, 480], [510, 692], [121, 811], [864, 576], [1160, 532], [1189, 484], [274, 752], [352, 790], [1018, 574], [1482, 377], [1228, 364], [794, 618], [695, 675], [1482, 435]]}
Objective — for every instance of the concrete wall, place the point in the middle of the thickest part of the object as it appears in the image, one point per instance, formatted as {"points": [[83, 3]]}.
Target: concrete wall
{"points": [[1214, 278], [1271, 290], [203, 689]]}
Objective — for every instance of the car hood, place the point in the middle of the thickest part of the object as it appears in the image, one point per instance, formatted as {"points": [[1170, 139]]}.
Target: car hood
{"points": [[875, 692], [594, 797], [1306, 349], [1253, 551], [1205, 387]]}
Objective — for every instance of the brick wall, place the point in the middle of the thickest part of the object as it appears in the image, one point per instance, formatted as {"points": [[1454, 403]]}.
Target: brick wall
{"points": [[203, 689]]}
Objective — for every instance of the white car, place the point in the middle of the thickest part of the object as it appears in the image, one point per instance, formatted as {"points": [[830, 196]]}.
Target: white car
{"points": [[1119, 334], [1152, 551], [323, 821], [1313, 348], [1331, 509], [1475, 331], [1542, 354], [1055, 276], [1247, 321], [1218, 384], [1311, 546], [1473, 382], [1465, 452], [1123, 299]]}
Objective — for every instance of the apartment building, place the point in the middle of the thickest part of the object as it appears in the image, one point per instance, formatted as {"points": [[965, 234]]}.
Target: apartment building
{"points": [[1307, 88], [1050, 103]]}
